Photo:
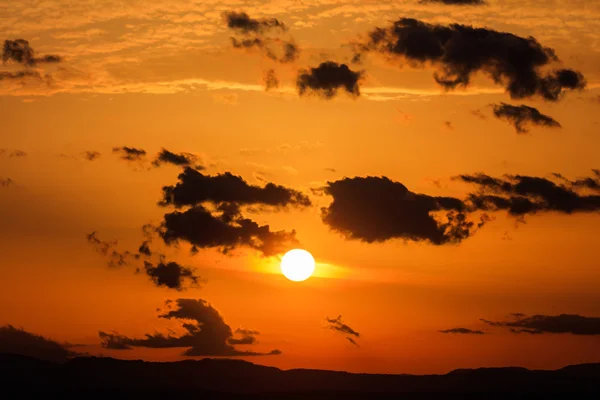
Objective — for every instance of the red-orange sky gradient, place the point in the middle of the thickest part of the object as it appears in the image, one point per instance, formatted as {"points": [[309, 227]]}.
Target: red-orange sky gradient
{"points": [[393, 155]]}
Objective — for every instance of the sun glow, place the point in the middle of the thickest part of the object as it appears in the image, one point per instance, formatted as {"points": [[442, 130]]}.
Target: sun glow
{"points": [[297, 265]]}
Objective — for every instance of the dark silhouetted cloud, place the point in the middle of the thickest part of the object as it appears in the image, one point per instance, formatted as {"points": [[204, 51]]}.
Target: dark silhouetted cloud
{"points": [[242, 22], [270, 80], [170, 274], [459, 51], [206, 333], [226, 231], [376, 209], [130, 153], [540, 324], [456, 2], [326, 79], [338, 325], [520, 116], [178, 159], [21, 52], [269, 35], [248, 336], [162, 273], [521, 195], [19, 341], [463, 331], [194, 188]]}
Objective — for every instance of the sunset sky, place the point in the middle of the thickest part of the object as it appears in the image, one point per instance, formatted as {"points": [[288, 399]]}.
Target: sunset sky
{"points": [[439, 161]]}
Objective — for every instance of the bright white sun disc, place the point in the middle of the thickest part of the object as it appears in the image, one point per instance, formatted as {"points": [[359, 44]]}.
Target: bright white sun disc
{"points": [[297, 265]]}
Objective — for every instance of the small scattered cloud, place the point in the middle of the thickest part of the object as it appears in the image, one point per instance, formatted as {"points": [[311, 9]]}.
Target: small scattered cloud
{"points": [[521, 116], [338, 325], [270, 79], [269, 35], [327, 79], [7, 182], [19, 51], [14, 153], [178, 159], [91, 155], [130, 153]]}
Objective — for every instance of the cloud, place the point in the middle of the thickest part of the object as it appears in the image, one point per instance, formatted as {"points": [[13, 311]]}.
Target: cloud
{"points": [[115, 257], [19, 341], [463, 331], [21, 52], [240, 21], [227, 230], [327, 79], [522, 115], [7, 182], [9, 75], [376, 209], [460, 51], [521, 195], [214, 217], [269, 35], [91, 155], [130, 153], [162, 273], [248, 336], [456, 2], [195, 188], [12, 153], [336, 324], [170, 274], [206, 333], [178, 159], [270, 80], [540, 324]]}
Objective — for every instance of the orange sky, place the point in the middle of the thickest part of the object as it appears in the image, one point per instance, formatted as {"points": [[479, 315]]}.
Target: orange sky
{"points": [[153, 75]]}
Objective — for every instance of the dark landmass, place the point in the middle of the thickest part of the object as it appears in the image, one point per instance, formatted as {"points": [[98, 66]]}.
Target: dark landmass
{"points": [[236, 379]]}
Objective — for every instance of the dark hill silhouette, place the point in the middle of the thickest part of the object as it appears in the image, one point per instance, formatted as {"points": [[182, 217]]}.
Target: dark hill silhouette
{"points": [[225, 378]]}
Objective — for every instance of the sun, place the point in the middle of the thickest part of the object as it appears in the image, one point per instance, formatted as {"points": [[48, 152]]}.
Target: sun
{"points": [[297, 265]]}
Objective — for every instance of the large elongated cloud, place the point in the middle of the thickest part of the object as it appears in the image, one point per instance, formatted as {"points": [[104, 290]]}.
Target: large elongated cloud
{"points": [[463, 331], [327, 79], [456, 2], [269, 35], [19, 341], [376, 209], [227, 231], [206, 333], [540, 324], [195, 188], [521, 116], [521, 195], [460, 51]]}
